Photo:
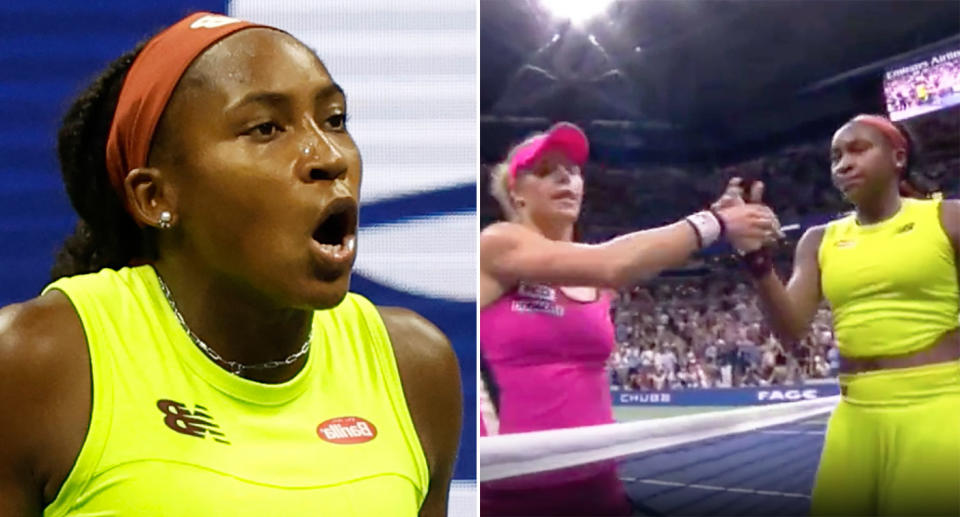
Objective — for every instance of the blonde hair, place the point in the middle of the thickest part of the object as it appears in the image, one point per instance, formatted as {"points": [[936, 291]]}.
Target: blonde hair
{"points": [[500, 180]]}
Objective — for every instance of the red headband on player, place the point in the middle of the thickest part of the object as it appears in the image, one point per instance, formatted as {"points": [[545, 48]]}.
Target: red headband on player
{"points": [[150, 82], [883, 124]]}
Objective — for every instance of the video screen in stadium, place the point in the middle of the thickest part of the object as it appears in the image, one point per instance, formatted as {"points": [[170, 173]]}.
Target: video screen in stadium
{"points": [[923, 85]]}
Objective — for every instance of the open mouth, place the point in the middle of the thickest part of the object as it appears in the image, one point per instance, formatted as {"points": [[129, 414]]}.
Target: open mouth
{"points": [[336, 232]]}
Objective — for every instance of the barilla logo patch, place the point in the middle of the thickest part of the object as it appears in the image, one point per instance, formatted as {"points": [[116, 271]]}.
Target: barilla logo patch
{"points": [[347, 430], [212, 21]]}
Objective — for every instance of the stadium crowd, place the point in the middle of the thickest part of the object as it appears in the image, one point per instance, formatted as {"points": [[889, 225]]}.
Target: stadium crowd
{"points": [[709, 332]]}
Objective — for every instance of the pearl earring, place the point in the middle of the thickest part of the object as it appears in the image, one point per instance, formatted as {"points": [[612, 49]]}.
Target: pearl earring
{"points": [[166, 219]]}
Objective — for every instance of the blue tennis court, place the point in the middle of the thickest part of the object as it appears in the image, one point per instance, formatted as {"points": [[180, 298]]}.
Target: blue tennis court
{"points": [[763, 472]]}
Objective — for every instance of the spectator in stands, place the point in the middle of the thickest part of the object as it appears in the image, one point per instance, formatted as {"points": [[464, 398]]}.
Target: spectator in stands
{"points": [[710, 353], [751, 377], [820, 367], [782, 371], [659, 378], [636, 380], [668, 360], [833, 357], [648, 355]]}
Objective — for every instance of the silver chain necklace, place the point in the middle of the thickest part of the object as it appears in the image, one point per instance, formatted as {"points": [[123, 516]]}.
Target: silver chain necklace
{"points": [[236, 367]]}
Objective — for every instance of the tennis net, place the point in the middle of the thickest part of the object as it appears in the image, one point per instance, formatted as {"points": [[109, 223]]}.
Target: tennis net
{"points": [[748, 461]]}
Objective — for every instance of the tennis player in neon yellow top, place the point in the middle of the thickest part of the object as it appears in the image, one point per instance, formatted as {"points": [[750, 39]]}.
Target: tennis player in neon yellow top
{"points": [[889, 271], [199, 352]]}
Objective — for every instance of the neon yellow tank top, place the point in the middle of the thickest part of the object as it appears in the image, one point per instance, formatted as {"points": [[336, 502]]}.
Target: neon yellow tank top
{"points": [[892, 285], [173, 434]]}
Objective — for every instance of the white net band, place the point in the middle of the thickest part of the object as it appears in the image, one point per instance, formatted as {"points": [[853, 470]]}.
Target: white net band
{"points": [[510, 455]]}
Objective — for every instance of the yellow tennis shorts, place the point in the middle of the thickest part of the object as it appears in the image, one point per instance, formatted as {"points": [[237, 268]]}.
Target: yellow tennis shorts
{"points": [[893, 445]]}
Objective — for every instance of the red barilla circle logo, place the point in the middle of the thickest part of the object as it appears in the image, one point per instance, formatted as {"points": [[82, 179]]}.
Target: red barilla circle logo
{"points": [[347, 430]]}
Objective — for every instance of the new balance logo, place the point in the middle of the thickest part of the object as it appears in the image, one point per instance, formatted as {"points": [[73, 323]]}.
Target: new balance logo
{"points": [[347, 430], [212, 21], [192, 423]]}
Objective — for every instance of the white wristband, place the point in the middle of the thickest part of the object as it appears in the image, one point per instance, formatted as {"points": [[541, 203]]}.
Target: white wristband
{"points": [[707, 226]]}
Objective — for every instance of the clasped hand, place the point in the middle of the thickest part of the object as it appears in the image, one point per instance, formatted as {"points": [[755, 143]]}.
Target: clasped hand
{"points": [[750, 225]]}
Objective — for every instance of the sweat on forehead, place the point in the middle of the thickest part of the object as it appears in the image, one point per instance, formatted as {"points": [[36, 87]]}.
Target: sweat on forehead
{"points": [[249, 55]]}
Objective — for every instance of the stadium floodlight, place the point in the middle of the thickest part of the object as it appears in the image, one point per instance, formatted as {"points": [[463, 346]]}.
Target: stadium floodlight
{"points": [[577, 11]]}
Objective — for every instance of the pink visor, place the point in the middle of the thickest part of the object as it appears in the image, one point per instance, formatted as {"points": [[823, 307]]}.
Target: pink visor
{"points": [[563, 136]]}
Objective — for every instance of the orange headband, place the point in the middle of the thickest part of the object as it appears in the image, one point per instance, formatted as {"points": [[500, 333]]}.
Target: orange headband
{"points": [[883, 124], [150, 82]]}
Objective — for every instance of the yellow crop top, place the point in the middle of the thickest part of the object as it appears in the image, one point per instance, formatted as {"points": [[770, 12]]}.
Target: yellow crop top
{"points": [[171, 433], [892, 285]]}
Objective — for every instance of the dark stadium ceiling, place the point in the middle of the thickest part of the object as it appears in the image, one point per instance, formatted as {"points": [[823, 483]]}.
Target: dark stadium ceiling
{"points": [[696, 79]]}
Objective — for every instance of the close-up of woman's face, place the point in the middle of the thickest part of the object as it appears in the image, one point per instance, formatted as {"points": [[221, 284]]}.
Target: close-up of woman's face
{"points": [[861, 161], [552, 187], [265, 175]]}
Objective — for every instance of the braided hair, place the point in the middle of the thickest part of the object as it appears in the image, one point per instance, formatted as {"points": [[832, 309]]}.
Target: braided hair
{"points": [[105, 236]]}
